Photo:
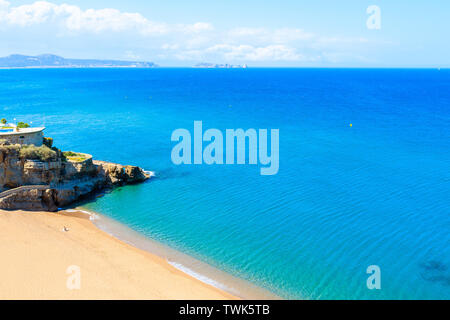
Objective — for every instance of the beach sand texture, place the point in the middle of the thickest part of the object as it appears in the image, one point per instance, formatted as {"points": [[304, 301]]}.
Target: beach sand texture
{"points": [[36, 253]]}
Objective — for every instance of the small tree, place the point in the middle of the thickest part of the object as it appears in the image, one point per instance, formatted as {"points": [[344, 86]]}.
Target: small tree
{"points": [[42, 153], [22, 125], [48, 142], [3, 121]]}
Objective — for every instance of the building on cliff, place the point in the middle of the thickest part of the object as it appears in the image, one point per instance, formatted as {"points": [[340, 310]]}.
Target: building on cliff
{"points": [[48, 179], [23, 135]]}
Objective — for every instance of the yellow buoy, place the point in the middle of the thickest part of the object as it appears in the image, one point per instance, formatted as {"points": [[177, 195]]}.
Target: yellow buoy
{"points": [[351, 124]]}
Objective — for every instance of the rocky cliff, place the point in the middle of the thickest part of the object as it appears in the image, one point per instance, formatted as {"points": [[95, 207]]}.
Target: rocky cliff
{"points": [[33, 178]]}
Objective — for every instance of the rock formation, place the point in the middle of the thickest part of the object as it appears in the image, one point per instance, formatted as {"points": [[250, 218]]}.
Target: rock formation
{"points": [[32, 183]]}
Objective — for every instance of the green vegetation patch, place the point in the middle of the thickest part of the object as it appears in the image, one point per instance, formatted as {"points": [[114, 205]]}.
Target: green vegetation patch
{"points": [[22, 125], [48, 142], [6, 147], [74, 156], [42, 153]]}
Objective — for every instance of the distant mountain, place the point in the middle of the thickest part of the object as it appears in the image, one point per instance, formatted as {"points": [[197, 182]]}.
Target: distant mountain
{"points": [[222, 66], [50, 60]]}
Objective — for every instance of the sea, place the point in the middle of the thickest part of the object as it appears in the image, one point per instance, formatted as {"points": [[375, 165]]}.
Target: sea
{"points": [[363, 179]]}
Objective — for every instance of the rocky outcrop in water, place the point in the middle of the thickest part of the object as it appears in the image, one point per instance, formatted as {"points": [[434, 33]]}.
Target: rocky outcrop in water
{"points": [[48, 180], [116, 174]]}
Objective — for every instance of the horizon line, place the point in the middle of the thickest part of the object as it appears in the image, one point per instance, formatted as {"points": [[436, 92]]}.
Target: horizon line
{"points": [[248, 67], [214, 63]]}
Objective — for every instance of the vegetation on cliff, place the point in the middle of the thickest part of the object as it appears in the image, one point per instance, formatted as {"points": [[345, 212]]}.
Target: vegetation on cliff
{"points": [[74, 156], [66, 176], [22, 125], [48, 142], [42, 153]]}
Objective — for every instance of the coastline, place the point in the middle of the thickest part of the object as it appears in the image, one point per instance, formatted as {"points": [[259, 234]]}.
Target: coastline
{"points": [[74, 67], [185, 263], [38, 252]]}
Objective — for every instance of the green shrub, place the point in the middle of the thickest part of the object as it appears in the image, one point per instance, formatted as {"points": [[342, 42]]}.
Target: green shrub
{"points": [[70, 154], [3, 121], [48, 142], [22, 125], [42, 153], [10, 147], [74, 156]]}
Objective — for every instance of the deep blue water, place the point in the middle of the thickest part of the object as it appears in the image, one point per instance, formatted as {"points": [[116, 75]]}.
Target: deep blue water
{"points": [[376, 193]]}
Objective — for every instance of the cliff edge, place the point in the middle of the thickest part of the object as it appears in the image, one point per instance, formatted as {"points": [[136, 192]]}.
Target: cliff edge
{"points": [[45, 179]]}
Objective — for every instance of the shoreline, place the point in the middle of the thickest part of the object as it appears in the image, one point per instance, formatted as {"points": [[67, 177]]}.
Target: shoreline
{"points": [[185, 263], [39, 252]]}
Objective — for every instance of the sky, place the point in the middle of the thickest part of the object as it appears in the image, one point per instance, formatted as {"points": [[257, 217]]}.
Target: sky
{"points": [[283, 33]]}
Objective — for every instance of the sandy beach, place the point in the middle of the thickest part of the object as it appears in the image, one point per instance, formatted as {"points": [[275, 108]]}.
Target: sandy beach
{"points": [[37, 254]]}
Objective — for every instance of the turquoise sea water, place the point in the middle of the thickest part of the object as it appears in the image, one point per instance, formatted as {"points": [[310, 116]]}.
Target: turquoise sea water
{"points": [[376, 193]]}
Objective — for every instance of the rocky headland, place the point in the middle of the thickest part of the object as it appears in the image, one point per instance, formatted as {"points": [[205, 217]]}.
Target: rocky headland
{"points": [[45, 179]]}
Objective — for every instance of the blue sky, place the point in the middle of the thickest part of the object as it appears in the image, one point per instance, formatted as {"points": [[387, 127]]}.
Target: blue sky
{"points": [[321, 33]]}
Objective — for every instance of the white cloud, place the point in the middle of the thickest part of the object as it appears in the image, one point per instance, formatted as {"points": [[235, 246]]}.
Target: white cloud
{"points": [[26, 15], [246, 32], [168, 46], [251, 53], [288, 34], [73, 18], [106, 20], [197, 27], [198, 41], [243, 54], [3, 9], [326, 41], [282, 35], [131, 55], [4, 4]]}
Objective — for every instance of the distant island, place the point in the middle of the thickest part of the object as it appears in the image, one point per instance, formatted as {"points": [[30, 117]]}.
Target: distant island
{"points": [[223, 66], [53, 61]]}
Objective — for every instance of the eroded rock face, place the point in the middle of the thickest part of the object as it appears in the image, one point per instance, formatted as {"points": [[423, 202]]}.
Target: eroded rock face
{"points": [[38, 200], [16, 171], [66, 181], [116, 174]]}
